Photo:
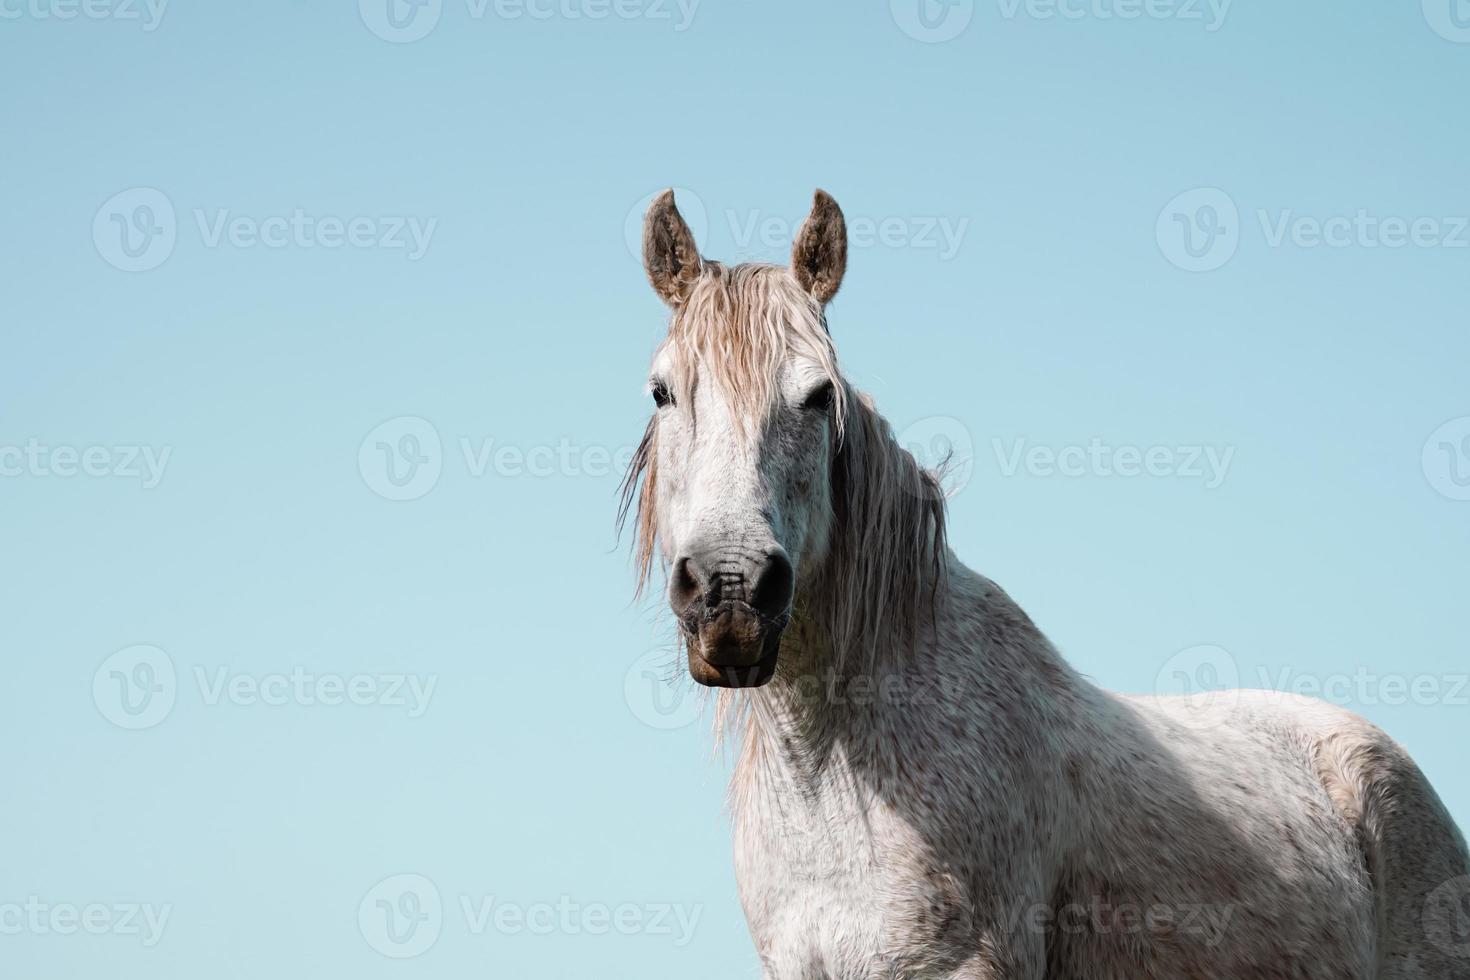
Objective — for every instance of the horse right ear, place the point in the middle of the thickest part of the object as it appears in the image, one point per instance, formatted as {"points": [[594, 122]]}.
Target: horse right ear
{"points": [[670, 255]]}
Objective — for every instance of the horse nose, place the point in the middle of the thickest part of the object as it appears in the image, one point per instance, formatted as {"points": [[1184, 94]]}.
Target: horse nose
{"points": [[712, 577], [773, 585]]}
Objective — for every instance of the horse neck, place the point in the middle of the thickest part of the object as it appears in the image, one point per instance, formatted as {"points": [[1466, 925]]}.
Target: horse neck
{"points": [[825, 715], [813, 730]]}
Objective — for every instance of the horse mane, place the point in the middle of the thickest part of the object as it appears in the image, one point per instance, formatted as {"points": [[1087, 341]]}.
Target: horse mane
{"points": [[887, 551]]}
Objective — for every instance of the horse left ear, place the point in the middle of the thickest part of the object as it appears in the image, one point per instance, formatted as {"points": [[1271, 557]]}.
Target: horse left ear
{"points": [[819, 254]]}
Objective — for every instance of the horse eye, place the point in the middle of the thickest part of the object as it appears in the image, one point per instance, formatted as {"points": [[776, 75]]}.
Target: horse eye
{"points": [[661, 396], [820, 398]]}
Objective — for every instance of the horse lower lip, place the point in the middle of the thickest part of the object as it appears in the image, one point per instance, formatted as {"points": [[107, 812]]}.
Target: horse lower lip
{"points": [[743, 657]]}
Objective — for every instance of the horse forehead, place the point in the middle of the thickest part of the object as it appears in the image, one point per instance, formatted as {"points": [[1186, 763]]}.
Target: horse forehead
{"points": [[797, 369]]}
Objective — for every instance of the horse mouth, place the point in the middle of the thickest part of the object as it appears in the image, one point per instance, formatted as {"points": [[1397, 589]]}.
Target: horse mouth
{"points": [[732, 645]]}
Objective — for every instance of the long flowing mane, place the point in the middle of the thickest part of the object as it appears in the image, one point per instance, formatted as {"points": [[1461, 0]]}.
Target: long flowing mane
{"points": [[887, 552]]}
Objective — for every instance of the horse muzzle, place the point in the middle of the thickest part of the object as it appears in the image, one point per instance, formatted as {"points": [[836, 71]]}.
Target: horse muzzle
{"points": [[732, 610], [732, 645]]}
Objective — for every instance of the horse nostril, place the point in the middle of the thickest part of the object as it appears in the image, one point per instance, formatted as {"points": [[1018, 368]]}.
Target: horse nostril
{"points": [[774, 583], [686, 584]]}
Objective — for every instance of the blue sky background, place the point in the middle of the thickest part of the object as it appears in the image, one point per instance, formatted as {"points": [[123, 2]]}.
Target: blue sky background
{"points": [[548, 766]]}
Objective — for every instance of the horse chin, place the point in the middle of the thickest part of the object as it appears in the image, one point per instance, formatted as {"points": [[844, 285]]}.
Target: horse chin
{"points": [[718, 660]]}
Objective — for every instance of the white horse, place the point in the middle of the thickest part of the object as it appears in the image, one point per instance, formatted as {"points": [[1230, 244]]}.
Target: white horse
{"points": [[924, 787]]}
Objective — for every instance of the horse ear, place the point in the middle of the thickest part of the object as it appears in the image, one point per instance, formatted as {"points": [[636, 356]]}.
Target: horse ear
{"points": [[819, 254], [670, 255]]}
